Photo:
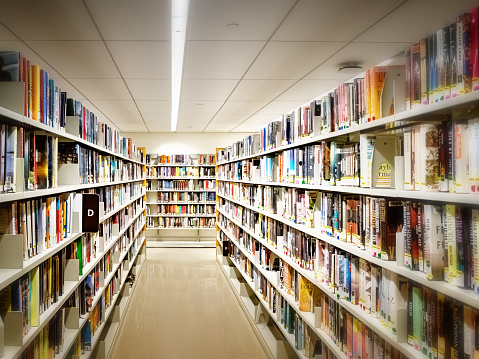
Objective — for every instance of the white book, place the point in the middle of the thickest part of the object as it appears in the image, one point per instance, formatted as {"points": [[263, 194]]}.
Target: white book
{"points": [[417, 159], [384, 308], [408, 182], [433, 242], [366, 148], [461, 157]]}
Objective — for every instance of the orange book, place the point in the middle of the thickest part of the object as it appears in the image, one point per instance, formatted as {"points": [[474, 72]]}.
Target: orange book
{"points": [[36, 92], [378, 75]]}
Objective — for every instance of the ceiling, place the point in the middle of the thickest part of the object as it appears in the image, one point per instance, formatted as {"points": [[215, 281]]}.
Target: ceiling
{"points": [[114, 55]]}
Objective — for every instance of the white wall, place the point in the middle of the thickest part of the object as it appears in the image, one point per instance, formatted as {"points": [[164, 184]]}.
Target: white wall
{"points": [[183, 143]]}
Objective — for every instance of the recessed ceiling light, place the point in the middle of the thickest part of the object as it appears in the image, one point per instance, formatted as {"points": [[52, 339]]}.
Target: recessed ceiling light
{"points": [[232, 25], [199, 104], [351, 69]]}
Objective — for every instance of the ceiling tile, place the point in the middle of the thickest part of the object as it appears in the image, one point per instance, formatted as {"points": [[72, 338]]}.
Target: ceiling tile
{"points": [[149, 20], [120, 119], [259, 90], [132, 128], [256, 19], [260, 119], [395, 27], [102, 89], [279, 108], [206, 90], [153, 127], [77, 59], [240, 107], [290, 60], [142, 59], [157, 119], [154, 107], [219, 127], [191, 108], [6, 34], [149, 90], [49, 20], [192, 123], [306, 90], [71, 91], [366, 55], [219, 59], [116, 106], [313, 20], [228, 119], [249, 128]]}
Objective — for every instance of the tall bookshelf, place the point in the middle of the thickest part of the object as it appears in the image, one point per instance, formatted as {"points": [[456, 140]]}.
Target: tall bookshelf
{"points": [[64, 291], [340, 258], [181, 199]]}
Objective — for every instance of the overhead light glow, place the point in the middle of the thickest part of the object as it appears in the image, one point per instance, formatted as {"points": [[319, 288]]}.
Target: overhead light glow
{"points": [[179, 17]]}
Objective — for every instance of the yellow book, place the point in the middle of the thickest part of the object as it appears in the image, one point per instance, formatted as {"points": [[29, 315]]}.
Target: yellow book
{"points": [[287, 278], [36, 92], [34, 281], [367, 93], [305, 294], [378, 75]]}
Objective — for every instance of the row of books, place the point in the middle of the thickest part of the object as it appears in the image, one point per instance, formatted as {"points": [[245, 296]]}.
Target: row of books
{"points": [[445, 64], [334, 321], [84, 124], [437, 240], [46, 103], [186, 222], [185, 209], [165, 171], [193, 185], [180, 159], [115, 196], [166, 197]]}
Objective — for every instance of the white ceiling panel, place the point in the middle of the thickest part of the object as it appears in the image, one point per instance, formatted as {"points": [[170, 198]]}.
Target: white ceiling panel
{"points": [[49, 20], [120, 119], [279, 108], [71, 91], [102, 89], [131, 20], [192, 123], [240, 107], [306, 90], [259, 90], [132, 128], [313, 20], [259, 119], [245, 127], [154, 107], [366, 55], [219, 127], [6, 34], [116, 106], [416, 19], [291, 60], [142, 59], [149, 90], [219, 59], [191, 108], [157, 119], [228, 119], [206, 90], [153, 127], [256, 19], [77, 59]]}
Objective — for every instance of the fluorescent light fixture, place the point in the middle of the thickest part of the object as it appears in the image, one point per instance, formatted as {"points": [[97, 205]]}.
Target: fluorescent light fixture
{"points": [[179, 17]]}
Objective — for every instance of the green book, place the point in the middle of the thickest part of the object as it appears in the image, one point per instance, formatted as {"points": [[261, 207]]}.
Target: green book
{"points": [[417, 316], [80, 256]]}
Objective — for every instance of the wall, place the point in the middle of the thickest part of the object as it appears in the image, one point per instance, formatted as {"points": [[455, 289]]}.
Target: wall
{"points": [[183, 143]]}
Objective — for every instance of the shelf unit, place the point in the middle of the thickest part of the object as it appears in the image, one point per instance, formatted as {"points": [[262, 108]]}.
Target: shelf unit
{"points": [[131, 236], [191, 208], [231, 204]]}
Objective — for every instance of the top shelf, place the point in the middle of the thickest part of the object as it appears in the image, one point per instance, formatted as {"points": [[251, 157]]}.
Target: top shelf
{"points": [[454, 106], [10, 115]]}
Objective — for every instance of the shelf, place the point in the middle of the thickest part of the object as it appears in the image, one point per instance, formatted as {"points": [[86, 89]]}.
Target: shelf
{"points": [[188, 228], [182, 178], [182, 190], [463, 295], [458, 198], [181, 203], [7, 276], [182, 215], [18, 196], [446, 107], [179, 165], [367, 319]]}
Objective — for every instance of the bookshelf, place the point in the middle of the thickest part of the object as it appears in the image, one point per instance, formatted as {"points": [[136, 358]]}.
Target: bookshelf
{"points": [[180, 196], [62, 289], [307, 216]]}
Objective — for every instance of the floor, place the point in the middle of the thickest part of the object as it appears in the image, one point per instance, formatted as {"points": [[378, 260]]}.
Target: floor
{"points": [[183, 307]]}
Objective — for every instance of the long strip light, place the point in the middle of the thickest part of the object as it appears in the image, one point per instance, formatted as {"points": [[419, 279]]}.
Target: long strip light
{"points": [[179, 17]]}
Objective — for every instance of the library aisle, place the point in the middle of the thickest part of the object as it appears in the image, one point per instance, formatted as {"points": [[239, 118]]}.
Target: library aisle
{"points": [[183, 307]]}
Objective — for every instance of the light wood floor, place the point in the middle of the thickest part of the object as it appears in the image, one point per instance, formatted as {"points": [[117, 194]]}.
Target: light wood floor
{"points": [[183, 307]]}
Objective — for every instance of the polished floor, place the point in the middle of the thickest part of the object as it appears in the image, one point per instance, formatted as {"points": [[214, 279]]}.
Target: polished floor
{"points": [[183, 307]]}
